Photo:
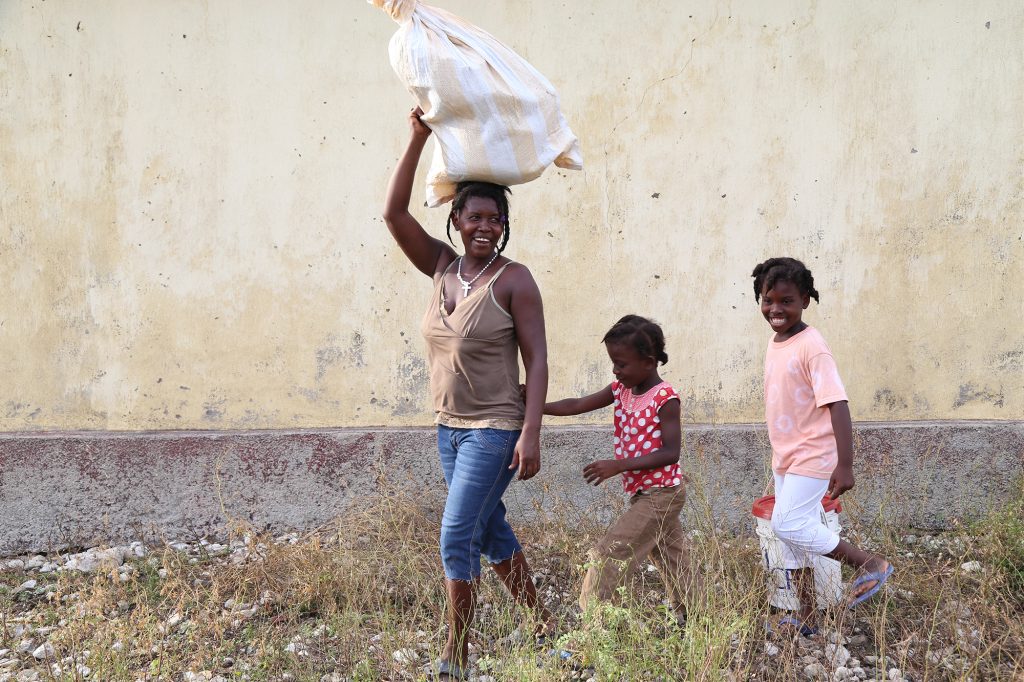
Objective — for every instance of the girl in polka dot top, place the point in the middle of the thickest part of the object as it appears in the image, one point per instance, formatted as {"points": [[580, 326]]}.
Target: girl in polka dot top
{"points": [[646, 446]]}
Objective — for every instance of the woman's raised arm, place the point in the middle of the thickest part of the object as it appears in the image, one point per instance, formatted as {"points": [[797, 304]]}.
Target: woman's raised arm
{"points": [[426, 253]]}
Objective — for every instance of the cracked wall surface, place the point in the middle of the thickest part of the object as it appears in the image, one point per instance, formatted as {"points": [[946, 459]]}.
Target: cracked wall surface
{"points": [[191, 198]]}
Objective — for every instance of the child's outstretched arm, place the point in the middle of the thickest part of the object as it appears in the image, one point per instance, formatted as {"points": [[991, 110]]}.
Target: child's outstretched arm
{"points": [[588, 403], [842, 426], [668, 453]]}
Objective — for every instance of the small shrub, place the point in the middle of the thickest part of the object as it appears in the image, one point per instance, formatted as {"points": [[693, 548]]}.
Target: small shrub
{"points": [[1002, 540]]}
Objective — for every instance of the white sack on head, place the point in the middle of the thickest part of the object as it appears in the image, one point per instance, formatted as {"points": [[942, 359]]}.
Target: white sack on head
{"points": [[495, 118]]}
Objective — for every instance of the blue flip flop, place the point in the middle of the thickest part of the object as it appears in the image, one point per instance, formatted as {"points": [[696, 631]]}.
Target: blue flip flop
{"points": [[544, 640], [878, 576], [804, 629]]}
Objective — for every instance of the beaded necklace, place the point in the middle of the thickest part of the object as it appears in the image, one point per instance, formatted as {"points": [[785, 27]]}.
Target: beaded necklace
{"points": [[466, 285]]}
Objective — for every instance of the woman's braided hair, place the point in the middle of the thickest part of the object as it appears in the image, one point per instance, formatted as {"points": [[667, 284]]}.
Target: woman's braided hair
{"points": [[644, 335], [483, 190], [773, 270]]}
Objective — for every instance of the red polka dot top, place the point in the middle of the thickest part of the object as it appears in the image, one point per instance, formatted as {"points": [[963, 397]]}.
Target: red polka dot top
{"points": [[638, 433]]}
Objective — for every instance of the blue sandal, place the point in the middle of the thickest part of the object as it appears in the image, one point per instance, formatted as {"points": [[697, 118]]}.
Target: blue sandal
{"points": [[804, 629], [878, 576]]}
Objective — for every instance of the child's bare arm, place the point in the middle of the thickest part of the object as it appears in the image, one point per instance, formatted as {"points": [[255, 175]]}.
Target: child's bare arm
{"points": [[588, 403], [842, 426], [668, 453]]}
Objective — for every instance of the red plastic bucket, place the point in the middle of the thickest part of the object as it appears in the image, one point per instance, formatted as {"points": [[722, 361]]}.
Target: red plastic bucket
{"points": [[763, 507], [827, 574]]}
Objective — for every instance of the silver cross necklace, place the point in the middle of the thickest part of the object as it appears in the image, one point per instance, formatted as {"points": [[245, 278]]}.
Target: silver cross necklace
{"points": [[466, 285]]}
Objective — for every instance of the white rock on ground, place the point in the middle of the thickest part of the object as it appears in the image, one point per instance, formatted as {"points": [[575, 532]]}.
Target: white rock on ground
{"points": [[44, 650], [971, 566], [297, 648], [405, 656], [202, 676], [814, 671], [836, 654], [27, 585], [93, 559]]}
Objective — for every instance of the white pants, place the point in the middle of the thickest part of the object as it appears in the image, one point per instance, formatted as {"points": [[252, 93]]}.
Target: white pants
{"points": [[798, 520]]}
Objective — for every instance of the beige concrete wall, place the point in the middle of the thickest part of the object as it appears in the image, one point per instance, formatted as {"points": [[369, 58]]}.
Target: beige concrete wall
{"points": [[190, 195]]}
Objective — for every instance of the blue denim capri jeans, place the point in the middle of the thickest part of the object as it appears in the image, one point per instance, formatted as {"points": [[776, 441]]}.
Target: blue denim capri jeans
{"points": [[475, 464]]}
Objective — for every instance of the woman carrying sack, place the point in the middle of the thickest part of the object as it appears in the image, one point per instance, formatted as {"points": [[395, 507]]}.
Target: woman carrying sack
{"points": [[483, 311]]}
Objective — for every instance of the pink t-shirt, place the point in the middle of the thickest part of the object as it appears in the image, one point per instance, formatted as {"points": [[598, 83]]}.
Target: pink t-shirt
{"points": [[800, 380], [638, 432]]}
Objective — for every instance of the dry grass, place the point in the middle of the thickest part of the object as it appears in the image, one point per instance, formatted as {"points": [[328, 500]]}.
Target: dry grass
{"points": [[348, 598]]}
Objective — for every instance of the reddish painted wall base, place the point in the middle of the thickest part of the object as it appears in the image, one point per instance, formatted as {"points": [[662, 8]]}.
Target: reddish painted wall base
{"points": [[86, 488]]}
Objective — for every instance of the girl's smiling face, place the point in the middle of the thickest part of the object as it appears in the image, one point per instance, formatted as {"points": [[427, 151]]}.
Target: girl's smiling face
{"points": [[783, 306], [628, 366]]}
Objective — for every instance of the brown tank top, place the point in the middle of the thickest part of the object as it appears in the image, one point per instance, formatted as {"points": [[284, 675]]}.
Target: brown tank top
{"points": [[474, 360]]}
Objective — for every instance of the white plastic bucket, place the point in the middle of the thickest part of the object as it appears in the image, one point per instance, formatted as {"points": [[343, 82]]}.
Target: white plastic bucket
{"points": [[828, 576]]}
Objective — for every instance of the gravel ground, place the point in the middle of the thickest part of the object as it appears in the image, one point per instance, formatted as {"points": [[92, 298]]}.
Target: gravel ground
{"points": [[44, 598]]}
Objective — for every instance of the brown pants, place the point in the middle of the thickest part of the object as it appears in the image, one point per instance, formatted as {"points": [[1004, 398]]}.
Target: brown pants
{"points": [[649, 527]]}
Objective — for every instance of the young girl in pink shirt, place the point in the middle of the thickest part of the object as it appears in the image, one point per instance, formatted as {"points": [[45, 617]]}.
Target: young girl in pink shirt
{"points": [[811, 435]]}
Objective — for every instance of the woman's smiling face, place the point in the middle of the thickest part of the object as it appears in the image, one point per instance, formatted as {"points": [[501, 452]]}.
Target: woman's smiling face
{"points": [[481, 226]]}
